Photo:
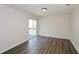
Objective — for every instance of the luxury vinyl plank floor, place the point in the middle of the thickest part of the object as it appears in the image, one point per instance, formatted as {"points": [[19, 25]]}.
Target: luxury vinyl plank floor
{"points": [[44, 45]]}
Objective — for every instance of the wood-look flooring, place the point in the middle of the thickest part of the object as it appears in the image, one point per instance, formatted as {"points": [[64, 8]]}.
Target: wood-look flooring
{"points": [[44, 45]]}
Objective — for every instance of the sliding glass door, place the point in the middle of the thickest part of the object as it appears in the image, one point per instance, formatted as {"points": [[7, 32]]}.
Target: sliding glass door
{"points": [[32, 28]]}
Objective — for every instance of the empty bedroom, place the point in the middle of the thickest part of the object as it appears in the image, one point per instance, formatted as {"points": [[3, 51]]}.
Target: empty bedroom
{"points": [[39, 28]]}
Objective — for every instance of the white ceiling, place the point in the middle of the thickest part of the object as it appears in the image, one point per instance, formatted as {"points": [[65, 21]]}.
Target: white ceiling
{"points": [[51, 8]]}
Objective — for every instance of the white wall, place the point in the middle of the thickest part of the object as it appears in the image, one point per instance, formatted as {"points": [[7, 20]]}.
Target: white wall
{"points": [[13, 27], [55, 26], [75, 27]]}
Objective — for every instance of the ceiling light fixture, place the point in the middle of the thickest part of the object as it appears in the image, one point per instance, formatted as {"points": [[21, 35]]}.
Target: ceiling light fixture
{"points": [[44, 9], [68, 4]]}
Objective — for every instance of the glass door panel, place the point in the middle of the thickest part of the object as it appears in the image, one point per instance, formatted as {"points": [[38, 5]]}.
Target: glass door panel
{"points": [[32, 28]]}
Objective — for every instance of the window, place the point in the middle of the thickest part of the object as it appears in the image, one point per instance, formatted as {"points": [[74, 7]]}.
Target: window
{"points": [[32, 27]]}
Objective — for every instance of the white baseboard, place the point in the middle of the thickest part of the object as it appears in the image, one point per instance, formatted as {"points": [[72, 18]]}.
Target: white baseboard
{"points": [[12, 46], [74, 45]]}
